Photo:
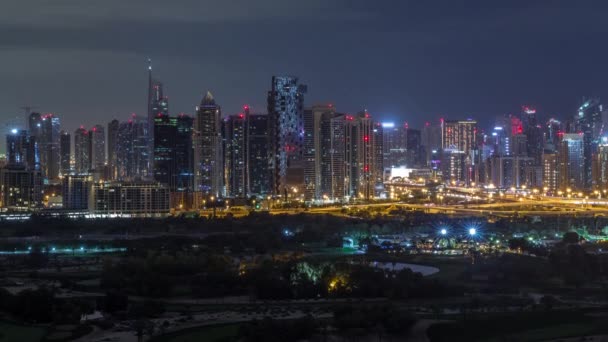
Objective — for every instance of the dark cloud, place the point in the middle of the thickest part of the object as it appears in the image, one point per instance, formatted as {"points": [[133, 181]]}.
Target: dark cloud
{"points": [[405, 60]]}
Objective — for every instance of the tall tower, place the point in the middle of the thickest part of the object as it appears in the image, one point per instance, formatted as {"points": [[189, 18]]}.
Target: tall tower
{"points": [[235, 159], [98, 147], [158, 104], [208, 148], [285, 114], [112, 140], [49, 146], [66, 152], [82, 147]]}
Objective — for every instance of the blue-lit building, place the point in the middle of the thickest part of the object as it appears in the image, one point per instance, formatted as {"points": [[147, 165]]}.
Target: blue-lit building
{"points": [[22, 149], [173, 158], [575, 149], [286, 123]]}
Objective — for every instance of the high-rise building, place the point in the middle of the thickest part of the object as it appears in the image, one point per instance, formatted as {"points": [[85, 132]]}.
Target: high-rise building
{"points": [[552, 134], [132, 149], [184, 155], [75, 190], [158, 103], [576, 157], [35, 125], [416, 156], [394, 145], [50, 154], [601, 167], [235, 159], [258, 155], [20, 189], [317, 140], [66, 152], [208, 166], [550, 171], [98, 147], [459, 134], [22, 150], [82, 150], [112, 140], [285, 114], [431, 140], [589, 123], [165, 131], [534, 134], [130, 199]]}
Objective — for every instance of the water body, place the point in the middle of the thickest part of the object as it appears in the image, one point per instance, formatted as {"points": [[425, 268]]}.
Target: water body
{"points": [[398, 266]]}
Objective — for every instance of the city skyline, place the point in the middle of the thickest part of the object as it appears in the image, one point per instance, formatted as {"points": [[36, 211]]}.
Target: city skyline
{"points": [[418, 60]]}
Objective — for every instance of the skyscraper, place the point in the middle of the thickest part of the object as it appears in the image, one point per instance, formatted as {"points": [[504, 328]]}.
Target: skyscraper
{"points": [[66, 152], [35, 125], [576, 156], [165, 131], [235, 159], [112, 139], [184, 155], [82, 150], [459, 134], [208, 148], [132, 149], [258, 155], [98, 147], [22, 150], [589, 123], [317, 144], [158, 103], [50, 154], [285, 114]]}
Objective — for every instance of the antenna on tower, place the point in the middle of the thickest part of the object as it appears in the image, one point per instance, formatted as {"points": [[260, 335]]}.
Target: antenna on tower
{"points": [[150, 64]]}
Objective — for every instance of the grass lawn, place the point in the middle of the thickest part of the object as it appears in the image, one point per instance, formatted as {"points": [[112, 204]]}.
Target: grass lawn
{"points": [[554, 332], [213, 333], [521, 326], [12, 332]]}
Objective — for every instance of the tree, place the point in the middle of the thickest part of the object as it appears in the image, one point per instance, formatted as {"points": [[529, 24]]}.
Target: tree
{"points": [[571, 237]]}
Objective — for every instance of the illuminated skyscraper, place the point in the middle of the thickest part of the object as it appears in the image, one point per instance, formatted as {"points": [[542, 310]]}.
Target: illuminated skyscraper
{"points": [[576, 156], [285, 114], [165, 130], [50, 154], [82, 150], [112, 139], [460, 135], [258, 155], [317, 145], [208, 167], [184, 155], [22, 150], [550, 171], [98, 147], [589, 123], [235, 159], [132, 149], [66, 152], [158, 103]]}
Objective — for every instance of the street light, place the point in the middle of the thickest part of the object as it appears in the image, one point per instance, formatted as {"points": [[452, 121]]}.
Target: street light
{"points": [[443, 231], [472, 231]]}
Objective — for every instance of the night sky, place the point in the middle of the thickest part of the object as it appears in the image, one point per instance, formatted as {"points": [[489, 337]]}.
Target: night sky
{"points": [[402, 60]]}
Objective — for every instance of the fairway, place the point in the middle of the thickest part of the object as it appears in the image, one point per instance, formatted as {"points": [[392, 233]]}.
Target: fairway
{"points": [[12, 332], [208, 334]]}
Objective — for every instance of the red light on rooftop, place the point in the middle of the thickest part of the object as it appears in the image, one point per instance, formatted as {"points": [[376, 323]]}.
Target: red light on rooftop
{"points": [[241, 115], [366, 138]]}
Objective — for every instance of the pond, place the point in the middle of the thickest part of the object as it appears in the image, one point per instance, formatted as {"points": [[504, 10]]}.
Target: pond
{"points": [[398, 266]]}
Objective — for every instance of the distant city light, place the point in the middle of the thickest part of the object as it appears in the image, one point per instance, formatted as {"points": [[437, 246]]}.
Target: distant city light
{"points": [[388, 125], [444, 231], [14, 131], [472, 231]]}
